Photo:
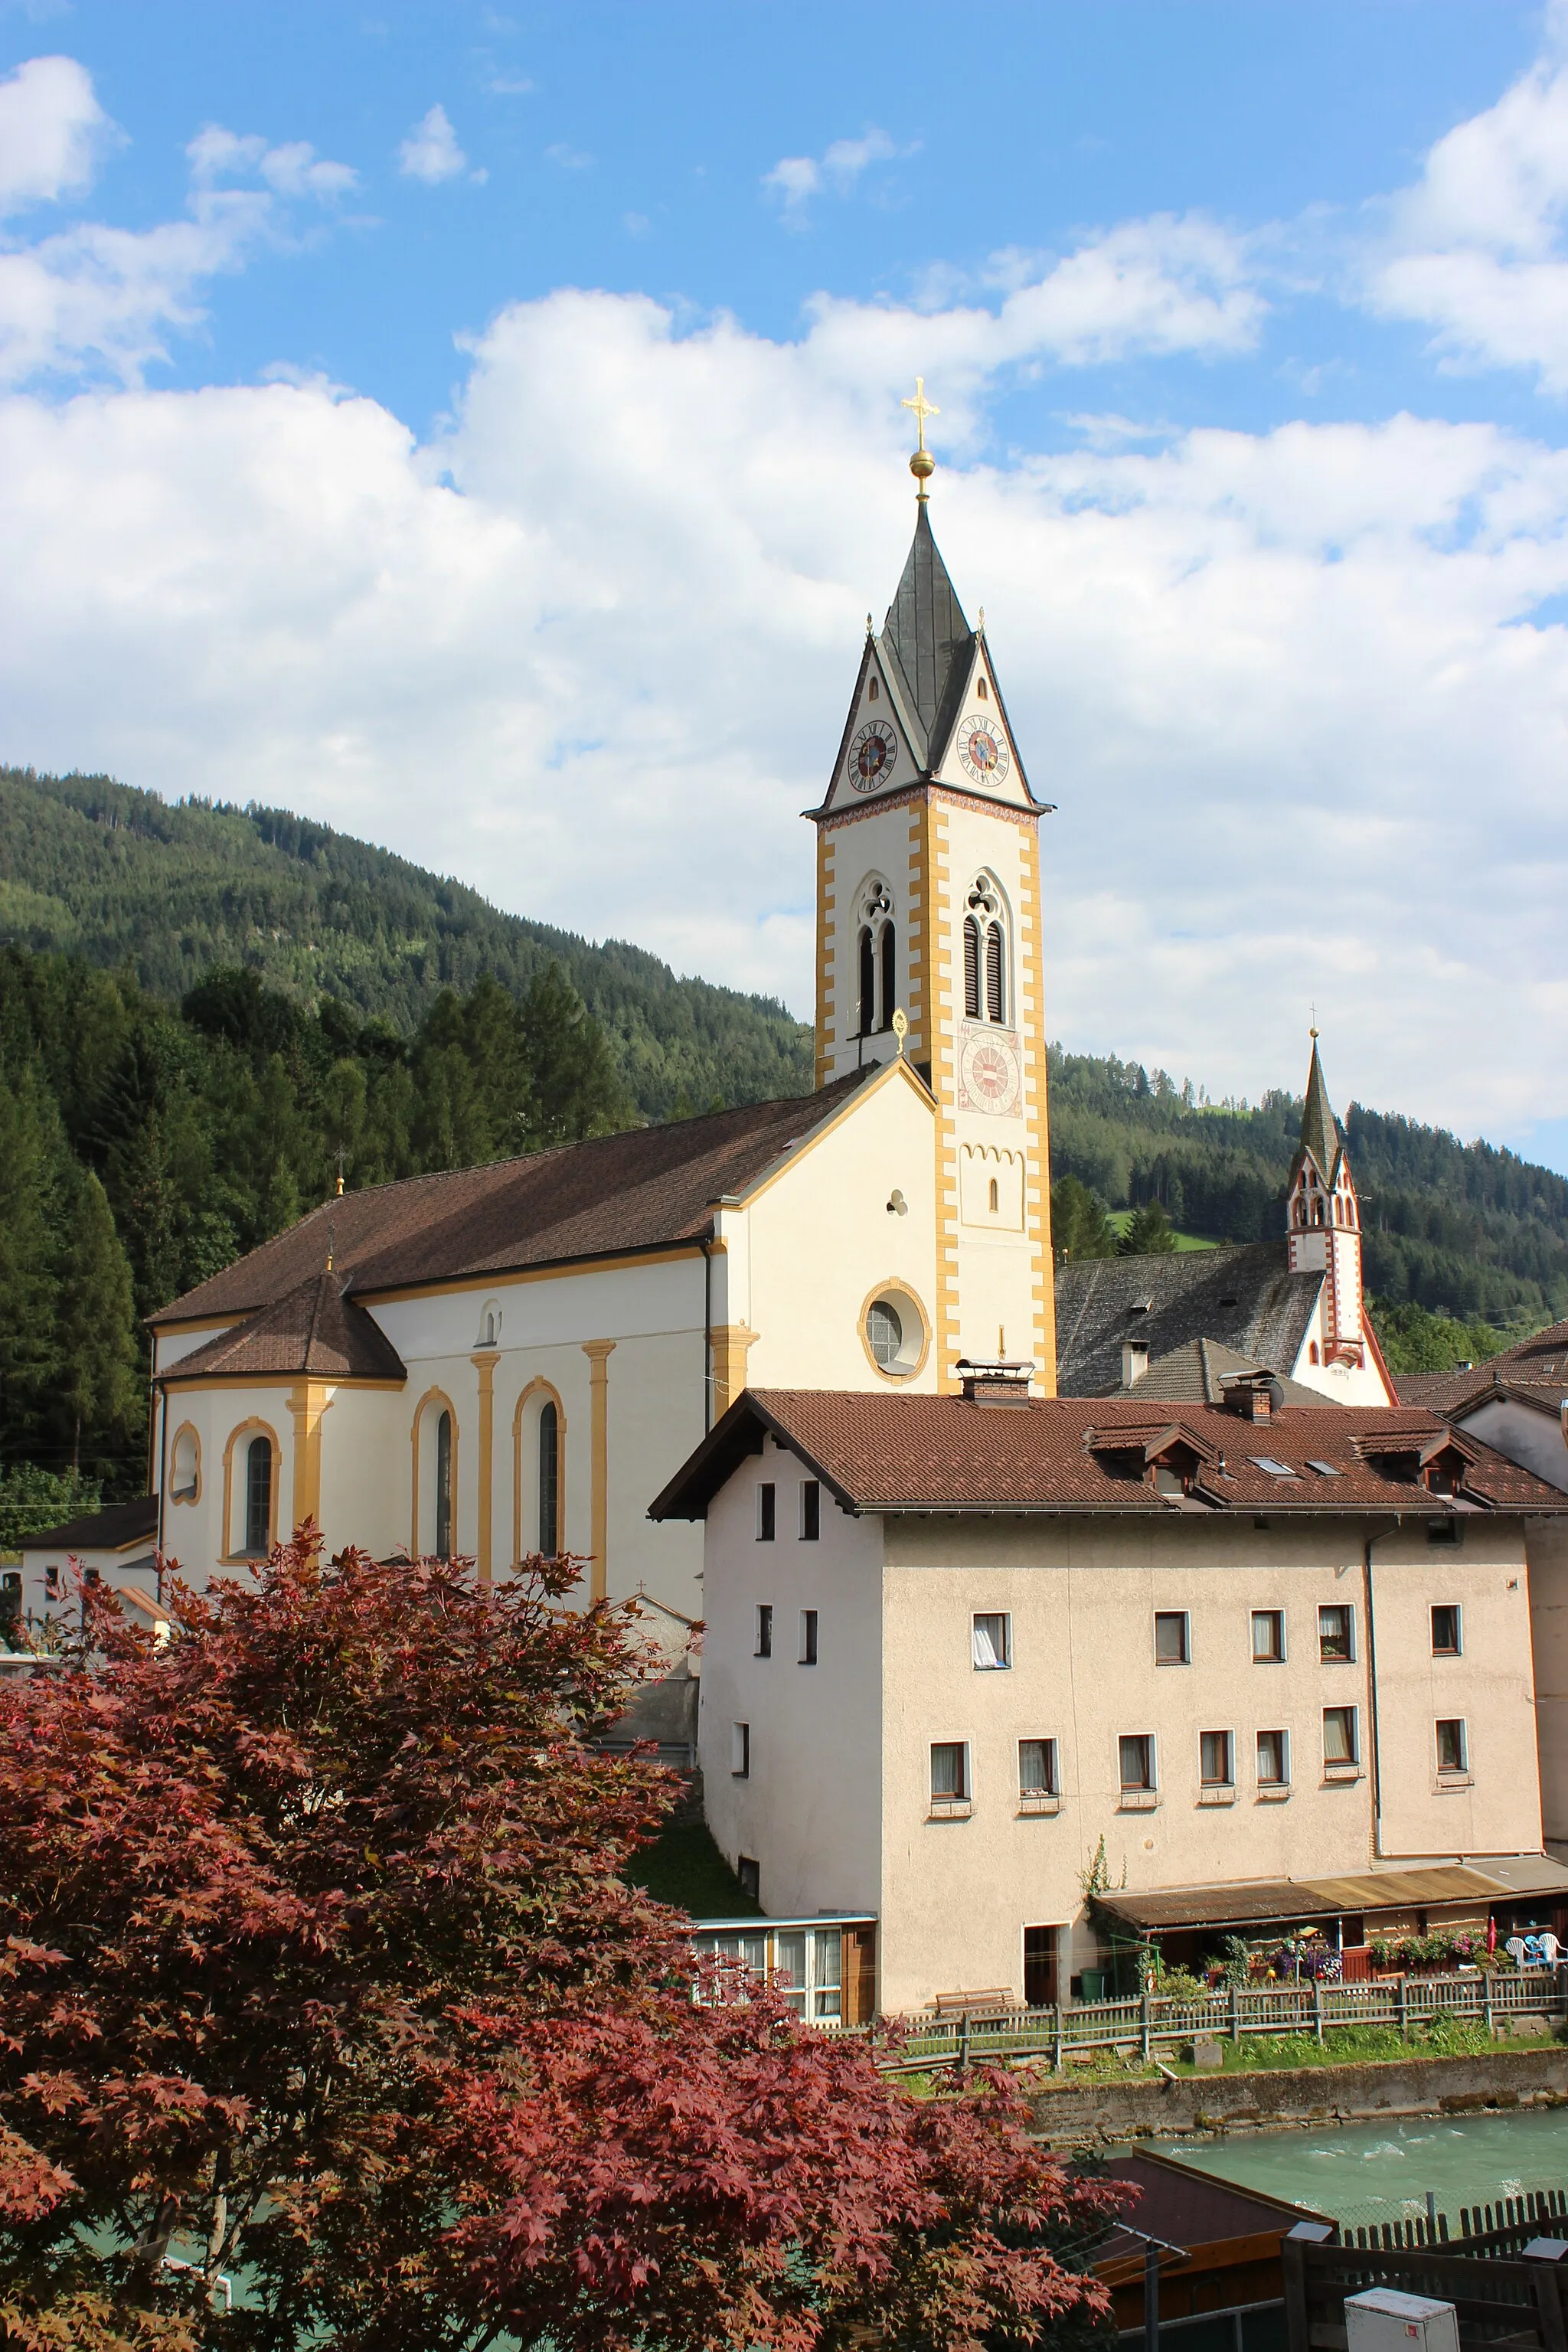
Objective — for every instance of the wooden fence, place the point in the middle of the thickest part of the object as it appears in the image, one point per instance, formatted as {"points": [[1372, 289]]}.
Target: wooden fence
{"points": [[1151, 2023]]}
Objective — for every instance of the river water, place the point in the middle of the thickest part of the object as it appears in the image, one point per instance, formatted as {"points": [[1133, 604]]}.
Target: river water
{"points": [[1382, 2171]]}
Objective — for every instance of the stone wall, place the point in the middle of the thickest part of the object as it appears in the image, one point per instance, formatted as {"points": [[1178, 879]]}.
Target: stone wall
{"points": [[1079, 2113]]}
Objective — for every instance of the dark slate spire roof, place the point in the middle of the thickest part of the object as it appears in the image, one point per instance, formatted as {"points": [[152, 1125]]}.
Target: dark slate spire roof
{"points": [[1319, 1129], [927, 643]]}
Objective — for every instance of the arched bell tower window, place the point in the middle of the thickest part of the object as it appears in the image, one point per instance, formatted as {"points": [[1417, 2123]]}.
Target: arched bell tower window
{"points": [[878, 947], [987, 977]]}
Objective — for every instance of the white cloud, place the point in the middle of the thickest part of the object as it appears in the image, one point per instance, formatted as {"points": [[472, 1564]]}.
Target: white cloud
{"points": [[569, 159], [795, 179], [431, 152], [591, 651], [52, 129], [97, 298], [1474, 248]]}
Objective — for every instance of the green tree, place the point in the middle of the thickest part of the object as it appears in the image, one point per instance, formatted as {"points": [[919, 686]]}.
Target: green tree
{"points": [[1079, 1225], [99, 1390], [576, 1090], [1148, 1233], [30, 1347]]}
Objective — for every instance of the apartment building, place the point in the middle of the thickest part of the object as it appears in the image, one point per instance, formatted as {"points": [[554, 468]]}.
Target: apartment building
{"points": [[983, 1667]]}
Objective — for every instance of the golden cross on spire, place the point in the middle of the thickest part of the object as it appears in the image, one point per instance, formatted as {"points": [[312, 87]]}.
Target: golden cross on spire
{"points": [[922, 465], [921, 406]]}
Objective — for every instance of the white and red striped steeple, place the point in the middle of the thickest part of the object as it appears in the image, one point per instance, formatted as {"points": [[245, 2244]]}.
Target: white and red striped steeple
{"points": [[1322, 1218]]}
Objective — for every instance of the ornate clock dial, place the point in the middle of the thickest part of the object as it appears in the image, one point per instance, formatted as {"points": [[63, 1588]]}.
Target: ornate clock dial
{"points": [[871, 756], [982, 751], [988, 1072]]}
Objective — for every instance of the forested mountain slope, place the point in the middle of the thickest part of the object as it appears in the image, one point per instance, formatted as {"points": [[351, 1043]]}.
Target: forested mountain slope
{"points": [[206, 1014], [93, 868]]}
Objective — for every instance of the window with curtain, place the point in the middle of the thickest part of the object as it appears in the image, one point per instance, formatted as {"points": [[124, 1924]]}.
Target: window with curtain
{"points": [[1273, 1759], [949, 1772], [991, 1646], [549, 1479], [1037, 1768], [259, 1497], [444, 1487]]}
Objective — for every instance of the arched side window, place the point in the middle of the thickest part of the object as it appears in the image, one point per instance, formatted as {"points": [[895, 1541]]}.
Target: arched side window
{"points": [[444, 1487], [436, 1444], [539, 1473], [186, 1465], [877, 941], [259, 1497], [987, 990], [549, 1479]]}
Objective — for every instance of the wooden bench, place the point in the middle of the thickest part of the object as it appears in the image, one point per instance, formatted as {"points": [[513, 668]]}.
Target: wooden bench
{"points": [[992, 2001]]}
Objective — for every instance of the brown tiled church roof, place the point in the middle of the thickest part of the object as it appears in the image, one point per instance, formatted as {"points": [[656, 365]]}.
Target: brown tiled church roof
{"points": [[1246, 1298], [1535, 1370], [644, 1190], [878, 1451], [313, 1329]]}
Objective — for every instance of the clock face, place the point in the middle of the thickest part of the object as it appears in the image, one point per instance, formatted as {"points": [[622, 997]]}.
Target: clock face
{"points": [[871, 756], [988, 1072], [983, 751]]}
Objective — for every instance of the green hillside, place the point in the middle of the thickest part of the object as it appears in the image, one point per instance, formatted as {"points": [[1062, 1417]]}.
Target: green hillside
{"points": [[91, 867], [208, 1013]]}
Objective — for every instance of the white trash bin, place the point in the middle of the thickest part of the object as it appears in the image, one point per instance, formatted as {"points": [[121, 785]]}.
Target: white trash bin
{"points": [[1384, 2320]]}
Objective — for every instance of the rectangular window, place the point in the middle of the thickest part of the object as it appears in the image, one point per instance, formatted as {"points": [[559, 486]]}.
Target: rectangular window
{"points": [[767, 1498], [991, 1642], [948, 1772], [1273, 1759], [1445, 1629], [810, 1511], [808, 1637], [1171, 1648], [1336, 1635], [1037, 1767], [1135, 1751], [1268, 1637], [1340, 1743], [765, 1630], [1214, 1765], [748, 1870], [1452, 1747], [740, 1751]]}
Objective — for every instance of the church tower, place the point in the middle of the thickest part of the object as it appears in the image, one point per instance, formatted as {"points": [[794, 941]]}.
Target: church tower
{"points": [[929, 909], [1323, 1233]]}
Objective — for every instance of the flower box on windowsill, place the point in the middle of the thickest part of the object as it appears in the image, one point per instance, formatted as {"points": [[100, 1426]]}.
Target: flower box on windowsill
{"points": [[1272, 1796], [1340, 1775], [1216, 1796], [950, 1808], [1138, 1801], [1039, 1804]]}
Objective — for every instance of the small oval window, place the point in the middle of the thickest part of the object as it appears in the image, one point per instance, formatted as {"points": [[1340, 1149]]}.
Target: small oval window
{"points": [[885, 1330]]}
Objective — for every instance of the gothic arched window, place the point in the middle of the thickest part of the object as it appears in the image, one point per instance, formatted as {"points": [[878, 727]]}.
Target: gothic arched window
{"points": [[259, 1497], [878, 945], [985, 974]]}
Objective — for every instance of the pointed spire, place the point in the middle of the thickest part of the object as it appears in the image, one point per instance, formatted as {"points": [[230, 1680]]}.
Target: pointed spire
{"points": [[926, 633], [1319, 1129]]}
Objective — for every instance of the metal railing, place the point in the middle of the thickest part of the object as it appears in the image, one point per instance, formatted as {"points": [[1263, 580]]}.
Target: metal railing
{"points": [[1234, 2015]]}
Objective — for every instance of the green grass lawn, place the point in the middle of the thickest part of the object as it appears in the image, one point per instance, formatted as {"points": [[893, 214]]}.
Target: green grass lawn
{"points": [[1121, 1218], [684, 1866]]}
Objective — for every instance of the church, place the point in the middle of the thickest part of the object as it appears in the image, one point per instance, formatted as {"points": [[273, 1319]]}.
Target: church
{"points": [[517, 1358]]}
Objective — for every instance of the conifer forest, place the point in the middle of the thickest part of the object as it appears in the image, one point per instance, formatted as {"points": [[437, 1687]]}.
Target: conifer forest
{"points": [[207, 1014]]}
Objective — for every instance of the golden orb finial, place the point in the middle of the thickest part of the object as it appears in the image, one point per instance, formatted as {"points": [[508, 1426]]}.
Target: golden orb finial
{"points": [[922, 465]]}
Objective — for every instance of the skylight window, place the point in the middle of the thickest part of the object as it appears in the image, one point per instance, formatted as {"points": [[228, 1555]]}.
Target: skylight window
{"points": [[1275, 1469], [1324, 1469]]}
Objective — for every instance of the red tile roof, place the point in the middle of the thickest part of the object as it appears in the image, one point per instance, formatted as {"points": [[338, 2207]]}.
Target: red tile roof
{"points": [[315, 1329], [643, 1190], [1537, 1368], [880, 1452]]}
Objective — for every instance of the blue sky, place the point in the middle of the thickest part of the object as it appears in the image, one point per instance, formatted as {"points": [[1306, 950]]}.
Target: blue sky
{"points": [[480, 427]]}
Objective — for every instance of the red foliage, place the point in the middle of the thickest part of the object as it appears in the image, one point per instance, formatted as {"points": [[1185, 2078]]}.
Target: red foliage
{"points": [[318, 1972]]}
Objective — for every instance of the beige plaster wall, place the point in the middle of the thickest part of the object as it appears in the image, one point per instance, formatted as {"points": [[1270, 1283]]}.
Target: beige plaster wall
{"points": [[809, 1812], [1547, 1545]]}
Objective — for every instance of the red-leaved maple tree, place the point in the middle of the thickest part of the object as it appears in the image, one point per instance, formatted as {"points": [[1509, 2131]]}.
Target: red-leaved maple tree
{"points": [[321, 1989]]}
